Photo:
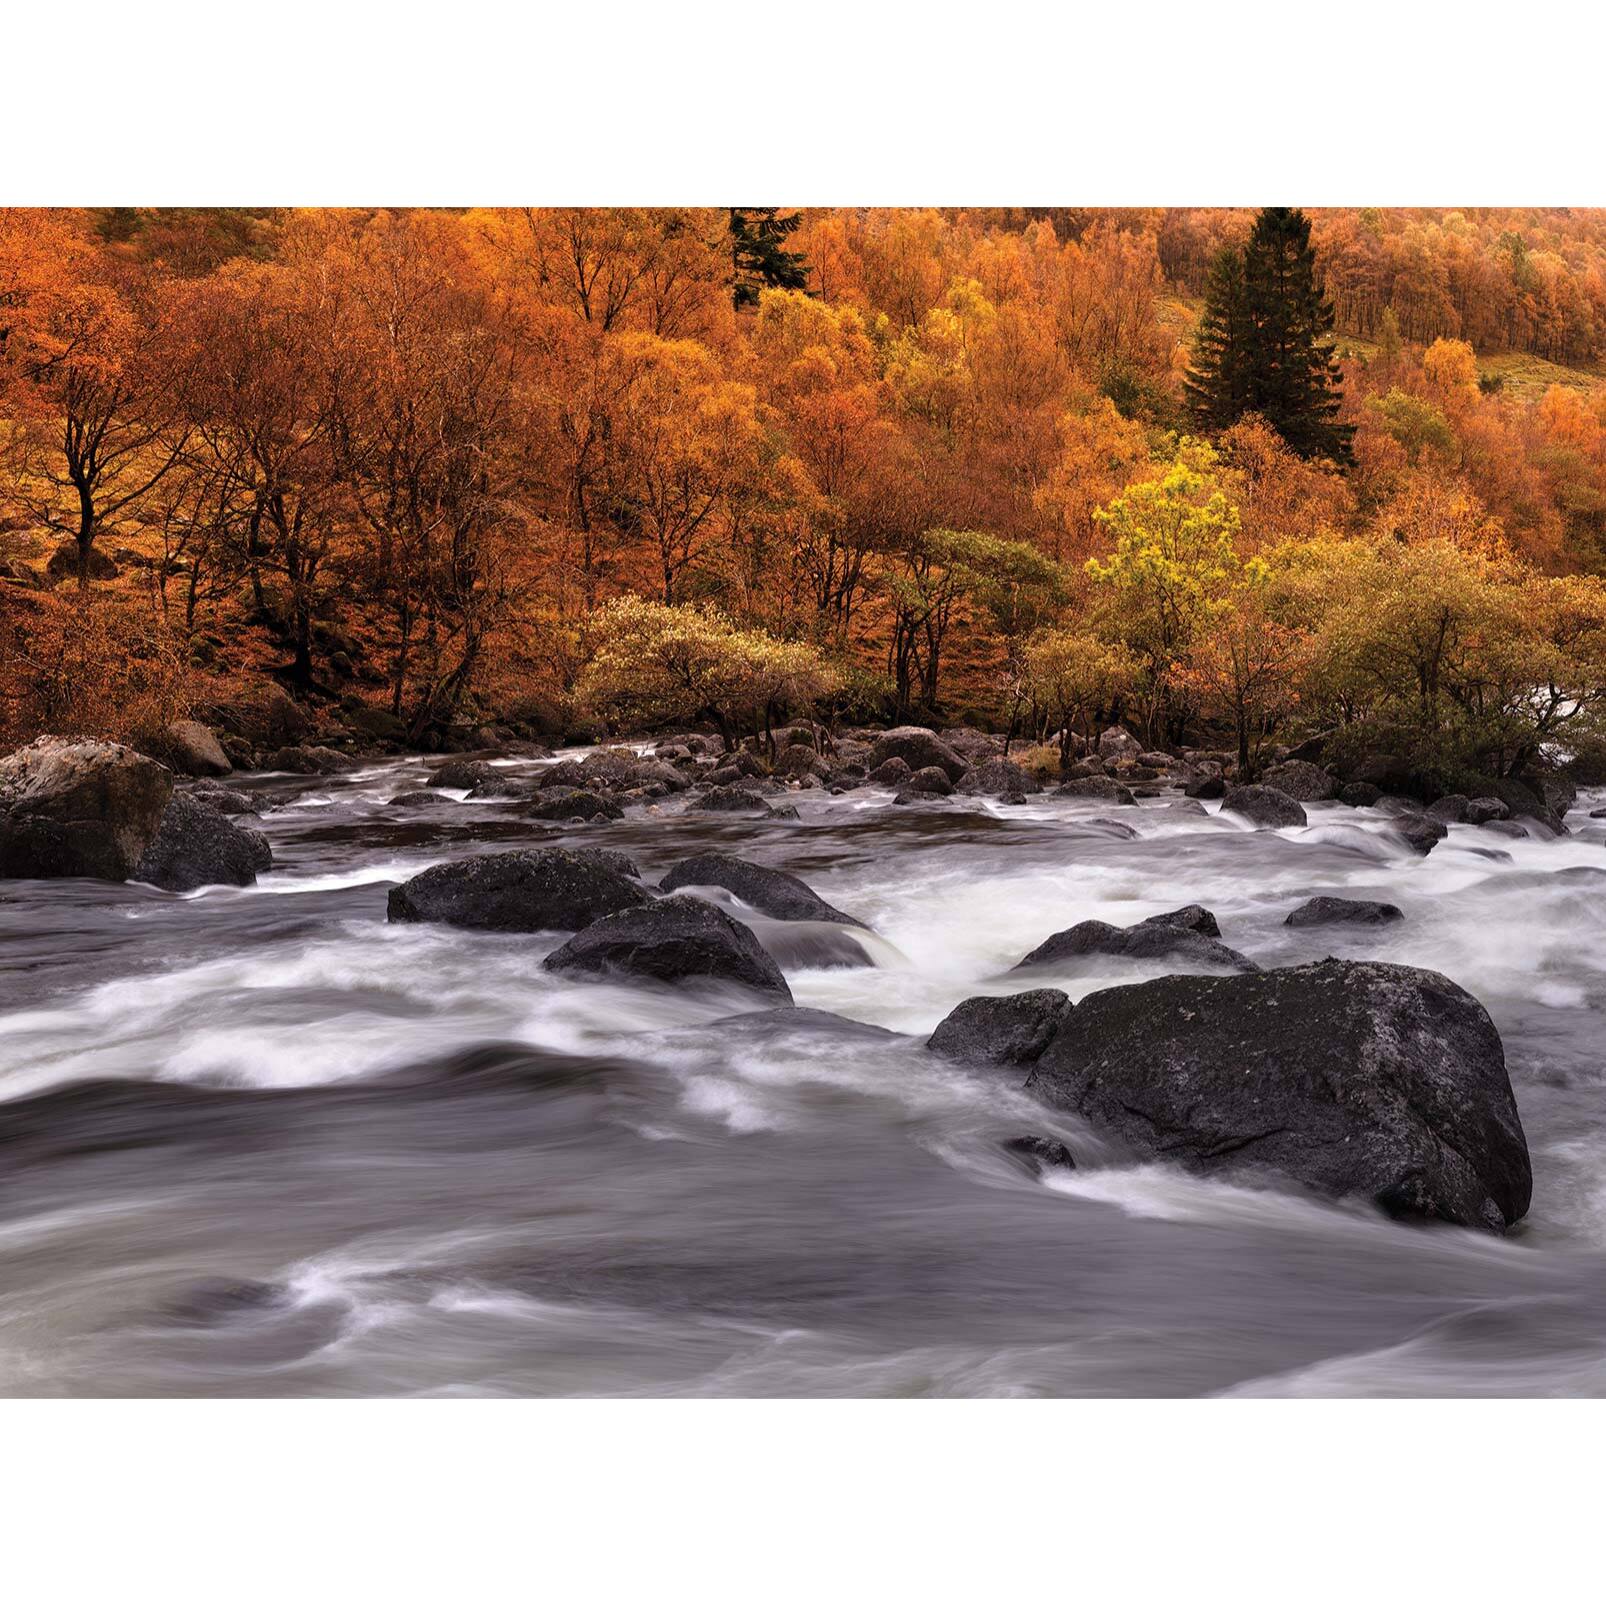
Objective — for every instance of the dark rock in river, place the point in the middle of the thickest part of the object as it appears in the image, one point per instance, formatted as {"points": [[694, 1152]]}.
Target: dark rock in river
{"points": [[1041, 1154], [1359, 794], [674, 939], [771, 892], [1001, 1031], [1206, 786], [1420, 833], [932, 779], [464, 774], [1264, 805], [1481, 810], [919, 748], [893, 773], [420, 797], [1099, 787], [1343, 911], [196, 846], [999, 777], [530, 889], [1353, 1078], [309, 761], [732, 800], [79, 808], [1150, 939], [1192, 917], [565, 803]]}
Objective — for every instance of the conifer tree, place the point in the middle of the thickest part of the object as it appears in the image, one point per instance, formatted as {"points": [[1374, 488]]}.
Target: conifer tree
{"points": [[1263, 343], [759, 256]]}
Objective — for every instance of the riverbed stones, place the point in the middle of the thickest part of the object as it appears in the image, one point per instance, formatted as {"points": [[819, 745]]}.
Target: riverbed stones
{"points": [[79, 808], [1379, 1080], [891, 772], [772, 892], [188, 747], [1040, 1154], [1359, 794], [1001, 1031], [198, 846], [464, 774], [733, 799], [675, 939], [528, 889], [1326, 911], [1264, 806]]}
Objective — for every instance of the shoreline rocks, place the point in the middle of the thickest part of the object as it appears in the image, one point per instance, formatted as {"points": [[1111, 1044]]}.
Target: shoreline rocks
{"points": [[79, 808], [1189, 935], [197, 845]]}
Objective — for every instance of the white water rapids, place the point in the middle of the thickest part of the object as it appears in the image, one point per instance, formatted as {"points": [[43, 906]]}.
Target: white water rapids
{"points": [[257, 1141]]}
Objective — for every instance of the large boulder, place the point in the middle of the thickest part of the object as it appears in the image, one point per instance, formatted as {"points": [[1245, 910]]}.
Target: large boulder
{"points": [[1302, 781], [188, 747], [919, 748], [1161, 937], [732, 800], [571, 803], [894, 772], [932, 779], [674, 939], [1098, 787], [771, 892], [63, 564], [529, 889], [1264, 805], [264, 717], [464, 774], [309, 761], [1353, 1078], [1344, 912], [1117, 745], [199, 846], [1001, 1031], [79, 808], [1000, 777]]}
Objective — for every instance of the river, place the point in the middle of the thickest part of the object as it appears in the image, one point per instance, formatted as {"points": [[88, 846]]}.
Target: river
{"points": [[260, 1142]]}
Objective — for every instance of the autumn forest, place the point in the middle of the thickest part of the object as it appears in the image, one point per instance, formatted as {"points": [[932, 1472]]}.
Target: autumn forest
{"points": [[549, 472]]}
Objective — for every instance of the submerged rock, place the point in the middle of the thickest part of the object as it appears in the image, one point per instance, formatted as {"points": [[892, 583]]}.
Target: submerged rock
{"points": [[772, 892], [1001, 1031], [1265, 806], [1040, 1154], [1158, 938], [1344, 911], [79, 808], [562, 803], [1353, 1078], [196, 846], [675, 939], [529, 889]]}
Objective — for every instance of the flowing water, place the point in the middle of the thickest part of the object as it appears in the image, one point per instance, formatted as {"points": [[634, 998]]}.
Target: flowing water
{"points": [[259, 1142]]}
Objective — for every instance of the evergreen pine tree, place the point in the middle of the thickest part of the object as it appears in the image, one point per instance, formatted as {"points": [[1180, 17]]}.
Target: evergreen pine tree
{"points": [[759, 256], [1217, 385], [1263, 341]]}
